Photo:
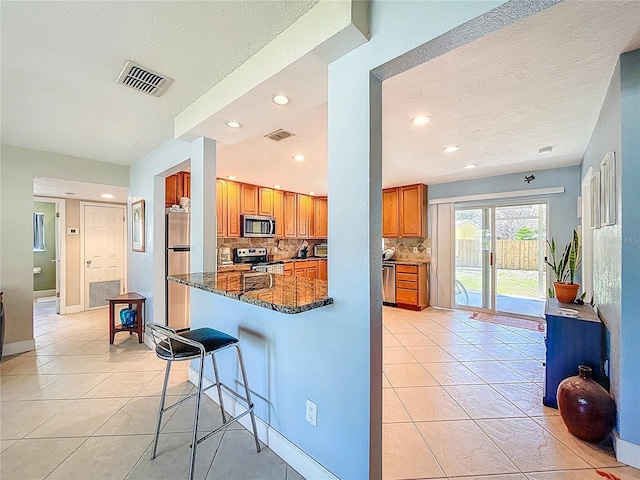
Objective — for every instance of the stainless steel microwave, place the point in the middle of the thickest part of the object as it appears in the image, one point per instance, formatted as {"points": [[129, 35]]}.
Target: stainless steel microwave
{"points": [[320, 250], [257, 226]]}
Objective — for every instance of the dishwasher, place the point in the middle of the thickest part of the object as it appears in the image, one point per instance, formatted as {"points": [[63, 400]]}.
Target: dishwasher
{"points": [[388, 283]]}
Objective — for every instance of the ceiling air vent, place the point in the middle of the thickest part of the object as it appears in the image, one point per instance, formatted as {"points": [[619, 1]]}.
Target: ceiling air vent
{"points": [[279, 135], [144, 79]]}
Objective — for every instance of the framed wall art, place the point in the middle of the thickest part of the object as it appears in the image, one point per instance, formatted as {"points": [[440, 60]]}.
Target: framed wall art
{"points": [[608, 190], [137, 226], [595, 200]]}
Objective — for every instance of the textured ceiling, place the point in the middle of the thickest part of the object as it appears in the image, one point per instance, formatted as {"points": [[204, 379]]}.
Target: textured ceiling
{"points": [[537, 83], [48, 187], [60, 60]]}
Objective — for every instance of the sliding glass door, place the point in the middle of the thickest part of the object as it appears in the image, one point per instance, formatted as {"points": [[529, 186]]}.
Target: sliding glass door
{"points": [[499, 263], [473, 247]]}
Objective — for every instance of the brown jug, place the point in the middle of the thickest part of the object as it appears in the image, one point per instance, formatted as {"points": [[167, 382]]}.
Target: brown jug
{"points": [[586, 408]]}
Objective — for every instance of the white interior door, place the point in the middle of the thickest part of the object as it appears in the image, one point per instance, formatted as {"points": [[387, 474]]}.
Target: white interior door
{"points": [[104, 254]]}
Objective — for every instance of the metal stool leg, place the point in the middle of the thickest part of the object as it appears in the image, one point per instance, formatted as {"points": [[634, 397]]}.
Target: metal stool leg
{"points": [[160, 410], [194, 442], [215, 372], [246, 387]]}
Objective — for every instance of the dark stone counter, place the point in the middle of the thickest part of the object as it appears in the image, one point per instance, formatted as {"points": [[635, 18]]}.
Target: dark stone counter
{"points": [[282, 293]]}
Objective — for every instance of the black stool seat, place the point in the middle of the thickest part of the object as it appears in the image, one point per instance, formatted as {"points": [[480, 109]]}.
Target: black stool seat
{"points": [[199, 344], [210, 339]]}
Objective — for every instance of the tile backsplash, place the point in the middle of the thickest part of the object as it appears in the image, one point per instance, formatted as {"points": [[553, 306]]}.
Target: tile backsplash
{"points": [[404, 248], [286, 247]]}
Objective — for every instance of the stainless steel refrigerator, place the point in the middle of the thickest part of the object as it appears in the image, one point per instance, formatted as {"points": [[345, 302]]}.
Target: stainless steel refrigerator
{"points": [[178, 240]]}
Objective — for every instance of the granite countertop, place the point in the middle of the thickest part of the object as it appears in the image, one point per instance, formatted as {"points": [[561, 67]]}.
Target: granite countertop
{"points": [[282, 293], [407, 262]]}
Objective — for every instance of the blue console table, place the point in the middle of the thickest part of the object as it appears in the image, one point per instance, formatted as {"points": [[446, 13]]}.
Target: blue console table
{"points": [[570, 342]]}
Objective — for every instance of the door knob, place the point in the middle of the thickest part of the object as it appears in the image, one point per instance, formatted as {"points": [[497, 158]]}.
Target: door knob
{"points": [[88, 263]]}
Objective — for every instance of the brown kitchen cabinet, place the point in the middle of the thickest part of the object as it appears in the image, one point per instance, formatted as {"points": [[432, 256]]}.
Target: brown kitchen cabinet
{"points": [[221, 207], [176, 187], [302, 216], [290, 229], [321, 217], [322, 270], [278, 212], [306, 269], [404, 211], [265, 201], [412, 286], [390, 213], [248, 199], [289, 269], [233, 209]]}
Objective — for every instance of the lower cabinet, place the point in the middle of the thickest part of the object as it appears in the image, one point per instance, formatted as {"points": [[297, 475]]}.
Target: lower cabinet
{"points": [[571, 341], [306, 269], [412, 290], [322, 270], [288, 269]]}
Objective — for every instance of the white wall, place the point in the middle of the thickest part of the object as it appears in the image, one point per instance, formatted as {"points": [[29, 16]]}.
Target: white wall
{"points": [[18, 167], [330, 355]]}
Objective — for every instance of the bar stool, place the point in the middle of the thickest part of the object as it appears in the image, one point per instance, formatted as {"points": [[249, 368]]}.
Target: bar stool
{"points": [[191, 345]]}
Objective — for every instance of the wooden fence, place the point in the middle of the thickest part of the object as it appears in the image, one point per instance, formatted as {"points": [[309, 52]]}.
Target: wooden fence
{"points": [[510, 254]]}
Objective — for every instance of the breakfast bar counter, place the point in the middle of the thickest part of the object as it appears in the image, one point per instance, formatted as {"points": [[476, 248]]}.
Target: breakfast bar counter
{"points": [[282, 293]]}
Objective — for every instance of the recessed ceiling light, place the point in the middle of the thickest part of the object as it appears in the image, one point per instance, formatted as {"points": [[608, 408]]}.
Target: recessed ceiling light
{"points": [[233, 124], [277, 186], [451, 148], [68, 193], [107, 195], [298, 157], [312, 193], [544, 150], [231, 177], [421, 120], [471, 165], [280, 99]]}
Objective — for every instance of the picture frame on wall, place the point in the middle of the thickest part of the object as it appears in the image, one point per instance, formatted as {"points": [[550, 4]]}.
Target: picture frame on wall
{"points": [[595, 200], [137, 226], [608, 189]]}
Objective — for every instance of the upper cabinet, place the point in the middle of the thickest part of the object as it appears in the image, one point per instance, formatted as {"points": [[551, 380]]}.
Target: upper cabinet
{"points": [[290, 215], [404, 211], [248, 199], [297, 215], [303, 215], [233, 209], [265, 201], [221, 207], [278, 212], [390, 213], [321, 217], [176, 187]]}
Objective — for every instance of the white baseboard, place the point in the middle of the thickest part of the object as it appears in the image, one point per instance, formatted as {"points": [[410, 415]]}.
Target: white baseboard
{"points": [[44, 293], [626, 452], [18, 347], [281, 445], [72, 309]]}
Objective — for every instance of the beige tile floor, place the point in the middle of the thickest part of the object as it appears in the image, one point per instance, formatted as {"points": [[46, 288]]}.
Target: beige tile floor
{"points": [[79, 408], [463, 399]]}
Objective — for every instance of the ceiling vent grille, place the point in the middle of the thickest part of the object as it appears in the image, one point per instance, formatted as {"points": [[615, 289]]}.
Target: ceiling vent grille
{"points": [[144, 79], [279, 135]]}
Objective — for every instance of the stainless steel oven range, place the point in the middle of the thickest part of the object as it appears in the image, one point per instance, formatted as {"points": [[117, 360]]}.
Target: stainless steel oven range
{"points": [[257, 258]]}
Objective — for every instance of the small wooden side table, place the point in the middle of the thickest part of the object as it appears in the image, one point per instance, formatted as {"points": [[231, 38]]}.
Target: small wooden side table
{"points": [[130, 298]]}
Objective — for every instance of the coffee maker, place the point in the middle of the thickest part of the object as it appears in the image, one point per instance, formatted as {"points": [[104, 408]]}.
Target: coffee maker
{"points": [[224, 256]]}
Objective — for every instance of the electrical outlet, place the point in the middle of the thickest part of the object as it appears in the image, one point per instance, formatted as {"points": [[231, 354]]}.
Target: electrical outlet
{"points": [[415, 249], [312, 412], [428, 251]]}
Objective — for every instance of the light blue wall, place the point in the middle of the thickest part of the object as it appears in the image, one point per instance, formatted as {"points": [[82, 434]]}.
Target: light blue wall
{"points": [[563, 213], [629, 421], [616, 255]]}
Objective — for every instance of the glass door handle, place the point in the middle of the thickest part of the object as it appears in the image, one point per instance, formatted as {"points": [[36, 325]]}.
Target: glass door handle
{"points": [[491, 259]]}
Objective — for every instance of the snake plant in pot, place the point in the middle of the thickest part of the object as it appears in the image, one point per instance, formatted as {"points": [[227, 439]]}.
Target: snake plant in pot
{"points": [[564, 269]]}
